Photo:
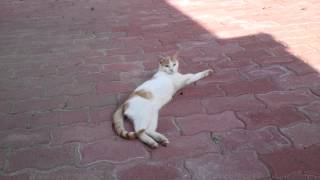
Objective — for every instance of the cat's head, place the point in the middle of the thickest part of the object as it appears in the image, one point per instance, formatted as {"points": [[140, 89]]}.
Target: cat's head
{"points": [[169, 64]]}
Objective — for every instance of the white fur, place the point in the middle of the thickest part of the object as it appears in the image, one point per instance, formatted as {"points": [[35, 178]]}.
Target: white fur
{"points": [[144, 112]]}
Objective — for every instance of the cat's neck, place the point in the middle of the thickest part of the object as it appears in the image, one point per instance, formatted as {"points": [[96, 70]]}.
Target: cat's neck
{"points": [[163, 73]]}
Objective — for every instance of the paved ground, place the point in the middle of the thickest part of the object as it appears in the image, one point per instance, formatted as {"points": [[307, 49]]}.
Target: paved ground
{"points": [[66, 64]]}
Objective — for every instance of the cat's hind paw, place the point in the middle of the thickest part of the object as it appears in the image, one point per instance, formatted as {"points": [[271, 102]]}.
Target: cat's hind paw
{"points": [[153, 145], [164, 142]]}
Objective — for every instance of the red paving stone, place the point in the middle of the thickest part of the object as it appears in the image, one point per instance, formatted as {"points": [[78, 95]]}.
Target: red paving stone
{"points": [[65, 65], [243, 165]]}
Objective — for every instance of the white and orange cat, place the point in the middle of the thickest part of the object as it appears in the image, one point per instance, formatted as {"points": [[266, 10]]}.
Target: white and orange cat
{"points": [[143, 105]]}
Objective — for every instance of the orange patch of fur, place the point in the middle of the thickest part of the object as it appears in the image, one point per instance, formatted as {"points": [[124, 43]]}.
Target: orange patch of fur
{"points": [[142, 93], [165, 61]]}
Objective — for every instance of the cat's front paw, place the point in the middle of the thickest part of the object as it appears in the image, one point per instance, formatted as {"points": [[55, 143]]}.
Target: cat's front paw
{"points": [[208, 72]]}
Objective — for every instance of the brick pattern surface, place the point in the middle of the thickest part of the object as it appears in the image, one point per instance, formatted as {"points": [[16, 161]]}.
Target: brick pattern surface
{"points": [[65, 65]]}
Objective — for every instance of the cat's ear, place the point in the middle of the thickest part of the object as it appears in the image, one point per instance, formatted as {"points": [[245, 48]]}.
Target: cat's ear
{"points": [[162, 59], [175, 56]]}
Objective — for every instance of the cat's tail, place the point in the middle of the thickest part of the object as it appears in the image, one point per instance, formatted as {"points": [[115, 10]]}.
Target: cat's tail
{"points": [[118, 124]]}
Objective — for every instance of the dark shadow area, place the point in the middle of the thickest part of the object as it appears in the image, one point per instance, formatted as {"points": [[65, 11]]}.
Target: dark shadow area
{"points": [[66, 64]]}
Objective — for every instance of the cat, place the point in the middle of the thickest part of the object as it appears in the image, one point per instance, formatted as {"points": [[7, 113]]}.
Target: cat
{"points": [[143, 105]]}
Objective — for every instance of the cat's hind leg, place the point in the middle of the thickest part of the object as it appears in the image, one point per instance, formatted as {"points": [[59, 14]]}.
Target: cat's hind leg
{"points": [[145, 138], [142, 122], [160, 138], [139, 113], [151, 131]]}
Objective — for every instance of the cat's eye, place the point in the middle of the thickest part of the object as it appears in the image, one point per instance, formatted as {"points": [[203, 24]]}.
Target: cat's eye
{"points": [[174, 64], [167, 65]]}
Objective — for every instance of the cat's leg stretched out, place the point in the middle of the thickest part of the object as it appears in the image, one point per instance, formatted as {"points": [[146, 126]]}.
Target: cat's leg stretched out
{"points": [[141, 121], [191, 78], [150, 136], [151, 131], [145, 138], [160, 138]]}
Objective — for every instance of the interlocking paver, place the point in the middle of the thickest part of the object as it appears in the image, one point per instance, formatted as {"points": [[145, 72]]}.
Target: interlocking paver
{"points": [[55, 118], [19, 138], [194, 124], [303, 134], [65, 66], [280, 117], [242, 165], [156, 171], [111, 150], [98, 171], [287, 161], [42, 158], [263, 140], [186, 146], [312, 110], [81, 132]]}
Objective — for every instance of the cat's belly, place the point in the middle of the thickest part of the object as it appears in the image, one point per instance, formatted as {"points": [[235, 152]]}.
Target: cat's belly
{"points": [[161, 101], [138, 107]]}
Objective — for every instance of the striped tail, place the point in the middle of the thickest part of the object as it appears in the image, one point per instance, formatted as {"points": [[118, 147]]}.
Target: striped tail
{"points": [[119, 126]]}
